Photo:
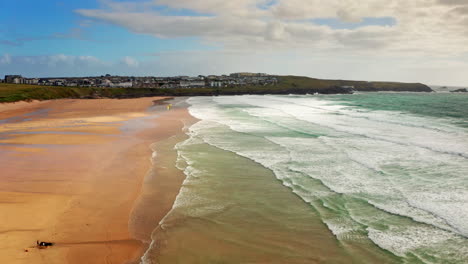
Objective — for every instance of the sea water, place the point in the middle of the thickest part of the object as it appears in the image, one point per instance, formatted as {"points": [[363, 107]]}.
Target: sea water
{"points": [[365, 178]]}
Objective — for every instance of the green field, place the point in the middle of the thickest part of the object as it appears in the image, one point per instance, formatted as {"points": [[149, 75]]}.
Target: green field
{"points": [[19, 92], [286, 85], [307, 83]]}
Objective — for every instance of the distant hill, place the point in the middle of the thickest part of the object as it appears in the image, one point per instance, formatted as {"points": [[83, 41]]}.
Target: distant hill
{"points": [[286, 85], [320, 85]]}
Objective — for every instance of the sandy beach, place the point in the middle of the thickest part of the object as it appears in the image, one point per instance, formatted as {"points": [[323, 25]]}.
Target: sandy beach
{"points": [[72, 173]]}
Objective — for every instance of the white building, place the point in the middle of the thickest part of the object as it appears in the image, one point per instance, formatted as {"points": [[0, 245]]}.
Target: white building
{"points": [[216, 84], [192, 83], [122, 84]]}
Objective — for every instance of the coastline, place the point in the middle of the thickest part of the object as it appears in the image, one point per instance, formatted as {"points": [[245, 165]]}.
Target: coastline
{"points": [[283, 85], [164, 180], [72, 171]]}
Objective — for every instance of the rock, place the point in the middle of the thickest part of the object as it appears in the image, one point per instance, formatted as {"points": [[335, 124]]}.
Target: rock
{"points": [[463, 90]]}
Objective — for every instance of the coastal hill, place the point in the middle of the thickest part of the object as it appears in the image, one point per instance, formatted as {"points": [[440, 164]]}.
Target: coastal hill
{"points": [[285, 85], [324, 86]]}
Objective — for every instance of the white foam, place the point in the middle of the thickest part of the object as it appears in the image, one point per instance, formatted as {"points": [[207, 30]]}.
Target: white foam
{"points": [[420, 242], [401, 164], [360, 153], [377, 125]]}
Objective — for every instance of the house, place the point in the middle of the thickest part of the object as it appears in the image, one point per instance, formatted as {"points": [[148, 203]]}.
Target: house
{"points": [[216, 84], [31, 81], [189, 83], [17, 79], [123, 84], [246, 74]]}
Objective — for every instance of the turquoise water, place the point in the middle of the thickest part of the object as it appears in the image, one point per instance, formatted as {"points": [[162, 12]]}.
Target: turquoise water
{"points": [[366, 178], [441, 105]]}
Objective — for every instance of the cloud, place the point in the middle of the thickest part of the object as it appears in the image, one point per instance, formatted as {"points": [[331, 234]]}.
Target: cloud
{"points": [[366, 39], [312, 63], [130, 62], [61, 60], [78, 32], [452, 2], [58, 64], [5, 59], [74, 33], [68, 65], [9, 43], [420, 25]]}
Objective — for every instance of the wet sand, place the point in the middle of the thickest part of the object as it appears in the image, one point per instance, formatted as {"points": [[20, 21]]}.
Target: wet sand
{"points": [[71, 172]]}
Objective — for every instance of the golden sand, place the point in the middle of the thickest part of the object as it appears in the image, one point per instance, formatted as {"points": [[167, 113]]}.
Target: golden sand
{"points": [[71, 176]]}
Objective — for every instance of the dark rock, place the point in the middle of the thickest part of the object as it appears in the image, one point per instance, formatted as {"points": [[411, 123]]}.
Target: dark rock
{"points": [[463, 90]]}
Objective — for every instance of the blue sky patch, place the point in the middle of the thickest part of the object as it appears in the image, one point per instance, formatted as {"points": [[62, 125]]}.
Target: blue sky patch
{"points": [[336, 23], [53, 27], [267, 4]]}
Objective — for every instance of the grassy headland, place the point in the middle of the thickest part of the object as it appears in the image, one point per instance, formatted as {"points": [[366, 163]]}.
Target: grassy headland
{"points": [[286, 85]]}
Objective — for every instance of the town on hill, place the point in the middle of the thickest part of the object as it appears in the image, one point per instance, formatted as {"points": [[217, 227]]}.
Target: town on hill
{"points": [[17, 88], [234, 79]]}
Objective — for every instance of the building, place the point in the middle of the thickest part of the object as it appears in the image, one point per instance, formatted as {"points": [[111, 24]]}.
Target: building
{"points": [[216, 84], [33, 81], [188, 83], [247, 74], [218, 81], [17, 79]]}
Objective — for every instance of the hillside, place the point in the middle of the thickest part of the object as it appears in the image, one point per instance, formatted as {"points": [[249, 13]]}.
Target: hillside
{"points": [[286, 85], [322, 85]]}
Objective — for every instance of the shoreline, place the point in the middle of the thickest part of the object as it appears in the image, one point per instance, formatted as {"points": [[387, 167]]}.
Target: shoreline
{"points": [[162, 183], [63, 177]]}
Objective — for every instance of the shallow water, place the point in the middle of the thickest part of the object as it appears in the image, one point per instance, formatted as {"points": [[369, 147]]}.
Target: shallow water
{"points": [[332, 179]]}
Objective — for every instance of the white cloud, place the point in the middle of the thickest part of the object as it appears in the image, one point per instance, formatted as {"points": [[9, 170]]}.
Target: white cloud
{"points": [[5, 59], [422, 25], [427, 43], [444, 71], [52, 65], [61, 60], [130, 62]]}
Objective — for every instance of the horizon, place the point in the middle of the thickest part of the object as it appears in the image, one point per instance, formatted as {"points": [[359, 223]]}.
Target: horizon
{"points": [[419, 42], [226, 74]]}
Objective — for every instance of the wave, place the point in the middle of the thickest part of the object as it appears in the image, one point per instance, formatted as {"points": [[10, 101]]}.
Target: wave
{"points": [[388, 128], [396, 173]]}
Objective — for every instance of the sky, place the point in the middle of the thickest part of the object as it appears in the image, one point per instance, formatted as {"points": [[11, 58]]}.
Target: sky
{"points": [[387, 40]]}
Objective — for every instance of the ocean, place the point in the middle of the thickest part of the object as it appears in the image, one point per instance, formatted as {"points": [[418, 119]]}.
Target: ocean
{"points": [[363, 178]]}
